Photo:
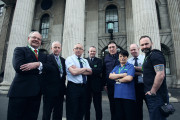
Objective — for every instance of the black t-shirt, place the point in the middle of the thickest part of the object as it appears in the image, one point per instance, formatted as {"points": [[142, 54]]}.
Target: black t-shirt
{"points": [[155, 57]]}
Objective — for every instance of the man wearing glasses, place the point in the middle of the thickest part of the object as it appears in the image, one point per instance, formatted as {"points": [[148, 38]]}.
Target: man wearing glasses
{"points": [[77, 69], [25, 91]]}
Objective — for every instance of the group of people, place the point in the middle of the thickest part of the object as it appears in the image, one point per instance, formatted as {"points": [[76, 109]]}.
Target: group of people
{"points": [[127, 82]]}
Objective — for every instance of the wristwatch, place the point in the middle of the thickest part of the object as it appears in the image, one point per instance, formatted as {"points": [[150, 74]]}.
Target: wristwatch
{"points": [[153, 94]]}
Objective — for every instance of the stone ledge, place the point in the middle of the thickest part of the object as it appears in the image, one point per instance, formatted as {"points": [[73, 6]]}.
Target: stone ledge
{"points": [[3, 92], [173, 99]]}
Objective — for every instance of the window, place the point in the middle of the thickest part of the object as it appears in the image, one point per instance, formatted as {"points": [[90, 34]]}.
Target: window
{"points": [[112, 15], [1, 10], [44, 28]]}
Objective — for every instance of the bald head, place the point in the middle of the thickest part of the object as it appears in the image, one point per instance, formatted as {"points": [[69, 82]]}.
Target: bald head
{"points": [[56, 48], [78, 50], [55, 42], [134, 49]]}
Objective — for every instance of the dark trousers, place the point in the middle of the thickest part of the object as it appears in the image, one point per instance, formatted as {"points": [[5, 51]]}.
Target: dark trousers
{"points": [[111, 101], [75, 101], [97, 101], [140, 96], [154, 103], [23, 108], [125, 109], [54, 106]]}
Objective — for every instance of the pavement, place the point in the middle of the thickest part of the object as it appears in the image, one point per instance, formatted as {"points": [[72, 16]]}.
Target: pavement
{"points": [[175, 100]]}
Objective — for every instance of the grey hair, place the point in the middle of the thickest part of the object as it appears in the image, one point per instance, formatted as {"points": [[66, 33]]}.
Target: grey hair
{"points": [[30, 34], [92, 47], [55, 42]]}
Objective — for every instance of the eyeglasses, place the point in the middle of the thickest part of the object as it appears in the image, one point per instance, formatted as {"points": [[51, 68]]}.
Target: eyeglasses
{"points": [[78, 48], [34, 37]]}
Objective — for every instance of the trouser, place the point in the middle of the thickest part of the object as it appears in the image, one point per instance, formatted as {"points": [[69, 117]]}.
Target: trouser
{"points": [[140, 96], [111, 101], [154, 103], [75, 101], [125, 109], [54, 106], [97, 101], [23, 108]]}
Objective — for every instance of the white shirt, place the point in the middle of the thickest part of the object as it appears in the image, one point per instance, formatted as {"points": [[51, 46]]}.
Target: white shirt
{"points": [[140, 61], [73, 60]]}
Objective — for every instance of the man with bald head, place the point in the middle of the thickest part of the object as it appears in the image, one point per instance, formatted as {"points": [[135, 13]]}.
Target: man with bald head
{"points": [[137, 61], [54, 85], [77, 69]]}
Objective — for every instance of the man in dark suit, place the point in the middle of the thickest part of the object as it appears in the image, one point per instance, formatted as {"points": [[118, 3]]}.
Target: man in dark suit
{"points": [[25, 90], [94, 85], [54, 85], [110, 61]]}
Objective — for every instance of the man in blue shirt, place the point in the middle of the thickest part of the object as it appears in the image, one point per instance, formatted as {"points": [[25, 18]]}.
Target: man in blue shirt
{"points": [[77, 69], [137, 61]]}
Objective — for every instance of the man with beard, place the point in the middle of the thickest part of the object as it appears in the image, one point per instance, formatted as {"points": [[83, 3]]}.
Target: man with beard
{"points": [[137, 60], [154, 78]]}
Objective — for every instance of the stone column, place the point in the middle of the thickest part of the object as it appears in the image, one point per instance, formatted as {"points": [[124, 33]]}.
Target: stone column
{"points": [[20, 29], [129, 23], [145, 21], [91, 25], [8, 10], [163, 10], [73, 26], [58, 20], [173, 7]]}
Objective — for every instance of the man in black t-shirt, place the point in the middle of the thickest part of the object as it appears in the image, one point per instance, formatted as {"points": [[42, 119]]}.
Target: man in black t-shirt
{"points": [[154, 78]]}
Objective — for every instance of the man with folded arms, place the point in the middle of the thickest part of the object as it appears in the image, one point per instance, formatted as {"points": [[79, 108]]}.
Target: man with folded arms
{"points": [[77, 69]]}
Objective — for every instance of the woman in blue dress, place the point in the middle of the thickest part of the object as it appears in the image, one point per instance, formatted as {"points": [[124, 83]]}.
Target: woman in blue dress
{"points": [[124, 91]]}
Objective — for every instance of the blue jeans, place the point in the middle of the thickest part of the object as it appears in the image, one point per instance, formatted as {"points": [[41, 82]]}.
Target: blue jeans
{"points": [[154, 103]]}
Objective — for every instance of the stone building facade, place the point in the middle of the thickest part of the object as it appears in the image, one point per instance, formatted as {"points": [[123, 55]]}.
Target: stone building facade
{"points": [[86, 22]]}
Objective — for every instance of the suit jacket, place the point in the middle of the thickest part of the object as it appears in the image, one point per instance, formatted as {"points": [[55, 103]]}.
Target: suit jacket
{"points": [[109, 63], [94, 81], [54, 85], [26, 83]]}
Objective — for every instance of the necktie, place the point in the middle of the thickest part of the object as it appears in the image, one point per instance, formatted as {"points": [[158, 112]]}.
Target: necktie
{"points": [[136, 64], [36, 54], [83, 76], [91, 59], [59, 65]]}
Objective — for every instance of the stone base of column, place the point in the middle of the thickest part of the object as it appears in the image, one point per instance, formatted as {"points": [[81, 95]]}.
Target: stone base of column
{"points": [[4, 87], [176, 86], [172, 99]]}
